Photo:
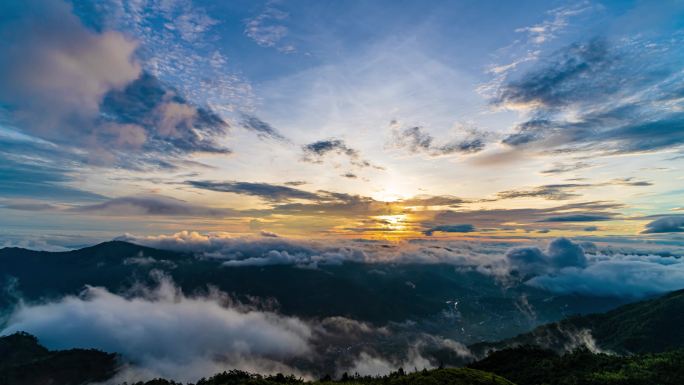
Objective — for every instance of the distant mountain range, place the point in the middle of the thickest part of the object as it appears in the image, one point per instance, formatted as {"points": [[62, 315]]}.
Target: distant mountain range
{"points": [[468, 305], [644, 339]]}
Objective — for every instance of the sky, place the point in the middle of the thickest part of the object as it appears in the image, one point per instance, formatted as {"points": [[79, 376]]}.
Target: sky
{"points": [[383, 120]]}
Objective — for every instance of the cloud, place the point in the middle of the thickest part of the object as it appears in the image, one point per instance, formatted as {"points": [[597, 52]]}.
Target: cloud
{"points": [[564, 268], [601, 96], [76, 87], [244, 251], [560, 253], [561, 82], [665, 224], [527, 218], [156, 205], [559, 168], [617, 275], [38, 176], [266, 191], [168, 123], [550, 28], [317, 151], [417, 140], [450, 229], [577, 218], [55, 71], [267, 30], [261, 128], [163, 332], [565, 191]]}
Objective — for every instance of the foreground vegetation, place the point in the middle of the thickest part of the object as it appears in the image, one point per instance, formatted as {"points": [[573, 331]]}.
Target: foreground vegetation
{"points": [[23, 361], [452, 376], [529, 365]]}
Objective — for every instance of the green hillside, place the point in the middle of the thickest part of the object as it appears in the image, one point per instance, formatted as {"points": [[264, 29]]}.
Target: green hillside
{"points": [[24, 362], [643, 327], [527, 365]]}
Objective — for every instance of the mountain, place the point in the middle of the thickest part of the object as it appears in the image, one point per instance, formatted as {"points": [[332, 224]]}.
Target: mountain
{"points": [[648, 326], [461, 303], [528, 365], [25, 362]]}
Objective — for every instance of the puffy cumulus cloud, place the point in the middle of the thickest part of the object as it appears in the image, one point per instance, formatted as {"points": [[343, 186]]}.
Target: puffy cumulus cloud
{"points": [[417, 140], [619, 275], [560, 253], [54, 70], [666, 224], [169, 123], [78, 87], [163, 332], [316, 152], [240, 251], [564, 268], [245, 251]]}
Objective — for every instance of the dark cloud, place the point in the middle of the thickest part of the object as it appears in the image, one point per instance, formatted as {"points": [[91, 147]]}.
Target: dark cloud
{"points": [[261, 128], [464, 228], [560, 253], [559, 168], [157, 205], [550, 192], [266, 191], [624, 91], [168, 122], [417, 140], [433, 200], [567, 78], [295, 183], [316, 152], [529, 218], [591, 228], [565, 191], [350, 175], [665, 224], [578, 218]]}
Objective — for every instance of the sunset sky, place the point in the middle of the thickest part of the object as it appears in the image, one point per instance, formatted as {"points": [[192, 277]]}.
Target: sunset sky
{"points": [[388, 120]]}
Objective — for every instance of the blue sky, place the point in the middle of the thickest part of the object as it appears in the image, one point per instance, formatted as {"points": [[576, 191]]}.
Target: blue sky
{"points": [[383, 120]]}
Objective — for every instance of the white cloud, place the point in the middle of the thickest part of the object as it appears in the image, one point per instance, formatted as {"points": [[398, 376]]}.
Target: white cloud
{"points": [[56, 71], [163, 332]]}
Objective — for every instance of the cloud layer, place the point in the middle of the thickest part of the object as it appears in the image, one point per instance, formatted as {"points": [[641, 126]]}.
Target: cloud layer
{"points": [[166, 333]]}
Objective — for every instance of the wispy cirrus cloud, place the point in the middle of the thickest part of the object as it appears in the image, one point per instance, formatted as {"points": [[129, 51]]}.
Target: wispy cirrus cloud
{"points": [[267, 191], [318, 151], [417, 140], [602, 96], [261, 128]]}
